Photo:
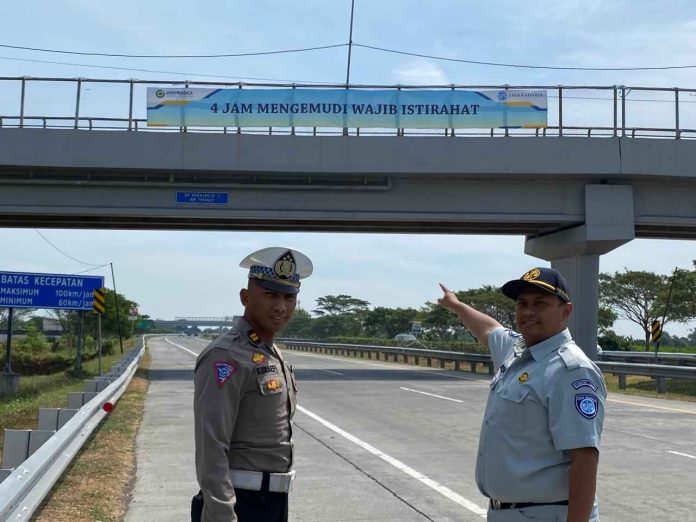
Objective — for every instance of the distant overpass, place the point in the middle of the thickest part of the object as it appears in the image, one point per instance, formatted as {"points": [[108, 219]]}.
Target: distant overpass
{"points": [[181, 323]]}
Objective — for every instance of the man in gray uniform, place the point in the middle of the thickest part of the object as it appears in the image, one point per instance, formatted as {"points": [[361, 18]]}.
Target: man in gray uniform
{"points": [[539, 446], [244, 400]]}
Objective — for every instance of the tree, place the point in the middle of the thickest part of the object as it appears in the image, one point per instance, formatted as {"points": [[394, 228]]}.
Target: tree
{"points": [[339, 316], [70, 319], [641, 297], [299, 326], [387, 322], [340, 305], [19, 314], [606, 317], [492, 302], [440, 324]]}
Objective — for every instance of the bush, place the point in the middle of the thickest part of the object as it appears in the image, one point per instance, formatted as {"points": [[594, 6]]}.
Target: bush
{"points": [[612, 341], [449, 346], [108, 347], [41, 364]]}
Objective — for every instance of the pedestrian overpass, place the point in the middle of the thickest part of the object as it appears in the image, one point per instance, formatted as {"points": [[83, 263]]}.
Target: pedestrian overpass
{"points": [[574, 191], [184, 323]]}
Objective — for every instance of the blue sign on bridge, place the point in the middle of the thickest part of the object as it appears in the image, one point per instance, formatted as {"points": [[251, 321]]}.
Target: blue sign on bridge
{"points": [[66, 291], [211, 198]]}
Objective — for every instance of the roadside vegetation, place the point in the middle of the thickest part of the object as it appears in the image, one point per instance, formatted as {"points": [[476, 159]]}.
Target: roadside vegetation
{"points": [[636, 296], [47, 391], [97, 485]]}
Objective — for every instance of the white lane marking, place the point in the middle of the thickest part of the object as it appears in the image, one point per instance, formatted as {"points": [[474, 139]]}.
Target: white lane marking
{"points": [[430, 394], [328, 371], [652, 406], [682, 454], [443, 490], [179, 346], [397, 366]]}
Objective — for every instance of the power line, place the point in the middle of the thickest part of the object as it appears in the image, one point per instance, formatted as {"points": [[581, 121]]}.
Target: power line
{"points": [[168, 56], [180, 74], [523, 66], [91, 269], [68, 255]]}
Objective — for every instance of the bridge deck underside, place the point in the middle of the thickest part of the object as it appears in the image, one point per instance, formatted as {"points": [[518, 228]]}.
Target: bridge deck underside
{"points": [[77, 179]]}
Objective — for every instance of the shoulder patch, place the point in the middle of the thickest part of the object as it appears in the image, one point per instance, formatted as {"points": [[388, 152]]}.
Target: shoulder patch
{"points": [[581, 383], [587, 405], [223, 372]]}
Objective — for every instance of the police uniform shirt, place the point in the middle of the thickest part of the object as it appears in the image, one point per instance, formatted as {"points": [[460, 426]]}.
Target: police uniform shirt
{"points": [[244, 399], [544, 401]]}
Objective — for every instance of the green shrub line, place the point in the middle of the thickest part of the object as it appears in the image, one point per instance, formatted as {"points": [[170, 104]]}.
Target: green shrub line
{"points": [[450, 346], [468, 346]]}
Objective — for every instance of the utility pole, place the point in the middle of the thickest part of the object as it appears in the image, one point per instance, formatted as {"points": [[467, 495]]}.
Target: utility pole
{"points": [[350, 42]]}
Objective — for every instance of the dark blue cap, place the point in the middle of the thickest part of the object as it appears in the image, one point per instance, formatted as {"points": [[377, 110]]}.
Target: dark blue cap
{"points": [[548, 279]]}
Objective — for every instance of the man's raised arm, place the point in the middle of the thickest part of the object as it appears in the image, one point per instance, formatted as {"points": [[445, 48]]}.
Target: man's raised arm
{"points": [[478, 323]]}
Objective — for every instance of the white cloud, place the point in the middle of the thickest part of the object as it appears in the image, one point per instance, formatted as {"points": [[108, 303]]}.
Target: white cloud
{"points": [[420, 72]]}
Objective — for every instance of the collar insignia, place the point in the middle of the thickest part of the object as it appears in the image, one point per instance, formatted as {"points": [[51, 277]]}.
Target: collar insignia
{"points": [[258, 358], [254, 337], [523, 378]]}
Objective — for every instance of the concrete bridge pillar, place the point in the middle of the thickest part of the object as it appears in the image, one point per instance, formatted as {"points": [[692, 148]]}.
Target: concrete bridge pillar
{"points": [[609, 223]]}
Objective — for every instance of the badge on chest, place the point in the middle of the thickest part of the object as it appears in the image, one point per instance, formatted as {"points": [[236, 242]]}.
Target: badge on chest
{"points": [[269, 379]]}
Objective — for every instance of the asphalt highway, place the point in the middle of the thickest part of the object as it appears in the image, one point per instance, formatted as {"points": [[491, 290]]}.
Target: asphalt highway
{"points": [[378, 441]]}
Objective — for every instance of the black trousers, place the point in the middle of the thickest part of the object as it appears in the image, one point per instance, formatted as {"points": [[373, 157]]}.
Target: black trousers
{"points": [[251, 506], [255, 506]]}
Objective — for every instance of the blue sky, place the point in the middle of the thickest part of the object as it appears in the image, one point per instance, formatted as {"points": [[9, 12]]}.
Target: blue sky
{"points": [[195, 273]]}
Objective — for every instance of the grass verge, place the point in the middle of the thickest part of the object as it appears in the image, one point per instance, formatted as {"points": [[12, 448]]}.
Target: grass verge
{"points": [[20, 412], [97, 484], [679, 390]]}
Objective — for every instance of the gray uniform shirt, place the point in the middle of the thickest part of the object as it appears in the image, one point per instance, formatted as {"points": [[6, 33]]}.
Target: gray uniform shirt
{"points": [[244, 399], [544, 401]]}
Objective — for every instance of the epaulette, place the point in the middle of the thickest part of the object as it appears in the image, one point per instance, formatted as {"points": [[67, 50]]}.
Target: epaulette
{"points": [[570, 358], [254, 338]]}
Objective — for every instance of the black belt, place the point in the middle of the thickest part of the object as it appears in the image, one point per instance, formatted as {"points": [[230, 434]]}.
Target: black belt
{"points": [[497, 504]]}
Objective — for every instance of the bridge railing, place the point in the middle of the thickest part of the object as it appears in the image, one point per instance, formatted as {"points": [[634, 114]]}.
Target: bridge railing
{"points": [[573, 110], [658, 372]]}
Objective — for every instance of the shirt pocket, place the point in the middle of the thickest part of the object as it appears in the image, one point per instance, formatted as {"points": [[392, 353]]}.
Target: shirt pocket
{"points": [[270, 396], [513, 407]]}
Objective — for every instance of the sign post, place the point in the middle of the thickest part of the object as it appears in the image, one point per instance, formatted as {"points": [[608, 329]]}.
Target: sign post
{"points": [[9, 383], [132, 317], [99, 308]]}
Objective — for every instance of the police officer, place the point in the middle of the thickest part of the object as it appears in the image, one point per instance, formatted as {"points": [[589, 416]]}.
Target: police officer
{"points": [[539, 444], [244, 400]]}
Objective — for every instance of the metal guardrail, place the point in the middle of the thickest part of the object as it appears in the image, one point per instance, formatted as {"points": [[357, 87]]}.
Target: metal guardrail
{"points": [[680, 359], [474, 359], [658, 372], [24, 489], [615, 110]]}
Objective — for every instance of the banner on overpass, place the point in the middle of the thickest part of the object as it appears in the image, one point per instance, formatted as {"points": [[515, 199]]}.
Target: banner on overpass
{"points": [[65, 291], [388, 109]]}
